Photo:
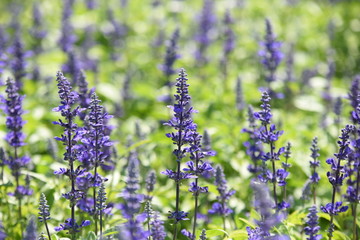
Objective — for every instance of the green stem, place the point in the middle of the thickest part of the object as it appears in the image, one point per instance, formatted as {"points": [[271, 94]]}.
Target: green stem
{"points": [[47, 229]]}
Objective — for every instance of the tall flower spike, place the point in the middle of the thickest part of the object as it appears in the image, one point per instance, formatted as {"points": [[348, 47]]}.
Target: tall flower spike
{"points": [[132, 203], [101, 205], [15, 138], [314, 178], [30, 232], [157, 228], [254, 148], [220, 207], [93, 141], [18, 64], [68, 37], [206, 21], [44, 213], [268, 134], [183, 126], [263, 205], [170, 57], [283, 173], [132, 229], [70, 137], [312, 227], [198, 168], [337, 175], [271, 55]]}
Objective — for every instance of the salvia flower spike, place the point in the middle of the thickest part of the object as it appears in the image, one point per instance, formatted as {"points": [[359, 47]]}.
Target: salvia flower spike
{"points": [[337, 175], [270, 54], [263, 205], [312, 227], [170, 57], [314, 163], [183, 125], [15, 138], [207, 20], [221, 207], [157, 228], [132, 229], [94, 140], [30, 232], [268, 134], [101, 205], [69, 111], [44, 213], [198, 168]]}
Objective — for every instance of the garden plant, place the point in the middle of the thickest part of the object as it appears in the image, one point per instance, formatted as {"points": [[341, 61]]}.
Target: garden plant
{"points": [[178, 119]]}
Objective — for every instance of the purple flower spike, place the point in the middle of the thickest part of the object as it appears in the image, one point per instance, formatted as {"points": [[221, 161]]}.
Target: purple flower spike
{"points": [[171, 56], [312, 227], [337, 175], [157, 228], [204, 37], [263, 205], [220, 207], [12, 107], [271, 55]]}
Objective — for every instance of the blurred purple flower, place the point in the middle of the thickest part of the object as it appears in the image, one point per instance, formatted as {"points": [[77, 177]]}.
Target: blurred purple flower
{"points": [[271, 55]]}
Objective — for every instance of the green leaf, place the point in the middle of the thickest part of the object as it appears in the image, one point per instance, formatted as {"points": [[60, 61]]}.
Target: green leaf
{"points": [[110, 233], [215, 232], [327, 217], [296, 218], [340, 235], [38, 176], [247, 222], [238, 234]]}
